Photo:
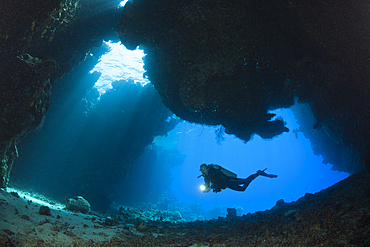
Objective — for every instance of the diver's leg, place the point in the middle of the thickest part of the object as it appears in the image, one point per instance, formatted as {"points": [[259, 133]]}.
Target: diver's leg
{"points": [[234, 185], [234, 182], [237, 180], [248, 180]]}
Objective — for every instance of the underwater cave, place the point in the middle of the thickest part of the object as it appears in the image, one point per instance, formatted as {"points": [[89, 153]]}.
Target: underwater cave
{"points": [[109, 108]]}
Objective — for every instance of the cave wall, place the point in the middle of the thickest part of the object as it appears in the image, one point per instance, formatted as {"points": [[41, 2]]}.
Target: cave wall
{"points": [[25, 80], [212, 62], [229, 62], [345, 158], [40, 42]]}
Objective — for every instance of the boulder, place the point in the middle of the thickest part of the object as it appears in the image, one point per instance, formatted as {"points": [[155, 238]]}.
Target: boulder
{"points": [[77, 204]]}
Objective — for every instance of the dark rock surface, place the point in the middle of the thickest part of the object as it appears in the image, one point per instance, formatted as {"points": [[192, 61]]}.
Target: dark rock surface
{"points": [[337, 216], [44, 210], [229, 63], [41, 41], [40, 46], [217, 63], [212, 62], [77, 204]]}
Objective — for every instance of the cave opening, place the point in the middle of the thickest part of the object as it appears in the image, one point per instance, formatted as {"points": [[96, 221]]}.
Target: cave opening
{"points": [[247, 85], [88, 120], [85, 118], [289, 155], [117, 64]]}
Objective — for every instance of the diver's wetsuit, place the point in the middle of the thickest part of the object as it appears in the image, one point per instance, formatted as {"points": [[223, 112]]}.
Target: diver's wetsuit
{"points": [[218, 181]]}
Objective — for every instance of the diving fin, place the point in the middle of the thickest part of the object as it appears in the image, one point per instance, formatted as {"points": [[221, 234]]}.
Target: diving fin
{"points": [[263, 173]]}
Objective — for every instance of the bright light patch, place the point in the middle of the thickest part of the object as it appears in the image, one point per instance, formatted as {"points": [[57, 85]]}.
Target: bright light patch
{"points": [[33, 197], [119, 64], [202, 187], [123, 3], [287, 116]]}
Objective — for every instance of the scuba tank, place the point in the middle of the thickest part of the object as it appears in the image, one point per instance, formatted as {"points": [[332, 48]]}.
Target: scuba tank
{"points": [[224, 171]]}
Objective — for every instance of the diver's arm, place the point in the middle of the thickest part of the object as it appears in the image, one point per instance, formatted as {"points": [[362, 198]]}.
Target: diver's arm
{"points": [[207, 185], [207, 189]]}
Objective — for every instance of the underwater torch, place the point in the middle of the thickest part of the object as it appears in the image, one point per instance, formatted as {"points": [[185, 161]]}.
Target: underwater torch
{"points": [[202, 187]]}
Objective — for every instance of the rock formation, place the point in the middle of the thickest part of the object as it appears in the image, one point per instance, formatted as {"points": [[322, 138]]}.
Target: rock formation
{"points": [[229, 63], [213, 62]]}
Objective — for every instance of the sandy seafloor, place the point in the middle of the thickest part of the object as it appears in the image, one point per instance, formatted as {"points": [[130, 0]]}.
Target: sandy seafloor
{"points": [[337, 216]]}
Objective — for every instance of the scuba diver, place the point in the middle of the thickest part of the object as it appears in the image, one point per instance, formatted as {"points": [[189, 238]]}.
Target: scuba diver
{"points": [[218, 178]]}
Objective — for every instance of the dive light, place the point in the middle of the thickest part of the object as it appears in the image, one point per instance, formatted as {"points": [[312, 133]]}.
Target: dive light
{"points": [[202, 187]]}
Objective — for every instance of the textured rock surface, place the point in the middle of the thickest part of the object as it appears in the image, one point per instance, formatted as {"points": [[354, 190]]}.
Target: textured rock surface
{"points": [[77, 204], [228, 63], [213, 62], [40, 42], [337, 216]]}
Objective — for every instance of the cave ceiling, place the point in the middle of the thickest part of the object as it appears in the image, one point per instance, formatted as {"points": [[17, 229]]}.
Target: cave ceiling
{"points": [[212, 62], [229, 62]]}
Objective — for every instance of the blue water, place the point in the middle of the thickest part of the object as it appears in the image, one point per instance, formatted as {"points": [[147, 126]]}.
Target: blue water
{"points": [[81, 151], [289, 156]]}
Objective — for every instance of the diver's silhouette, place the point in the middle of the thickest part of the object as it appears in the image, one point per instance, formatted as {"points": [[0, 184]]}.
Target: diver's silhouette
{"points": [[218, 178]]}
